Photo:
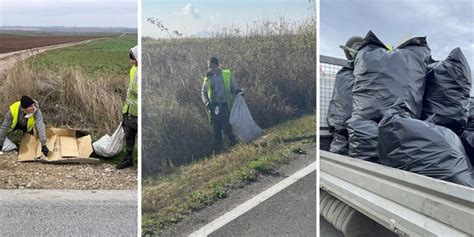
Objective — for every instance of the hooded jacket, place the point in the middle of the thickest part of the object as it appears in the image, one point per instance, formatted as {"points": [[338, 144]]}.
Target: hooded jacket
{"points": [[131, 102]]}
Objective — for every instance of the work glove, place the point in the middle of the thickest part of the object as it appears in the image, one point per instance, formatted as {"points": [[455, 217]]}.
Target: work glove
{"points": [[44, 150], [239, 91]]}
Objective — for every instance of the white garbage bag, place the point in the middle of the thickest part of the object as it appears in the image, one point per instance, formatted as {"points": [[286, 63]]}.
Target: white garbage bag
{"points": [[8, 145], [108, 146], [243, 125]]}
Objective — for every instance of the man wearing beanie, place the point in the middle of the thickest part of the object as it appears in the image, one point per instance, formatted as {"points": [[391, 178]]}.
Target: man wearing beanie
{"points": [[24, 115], [218, 93]]}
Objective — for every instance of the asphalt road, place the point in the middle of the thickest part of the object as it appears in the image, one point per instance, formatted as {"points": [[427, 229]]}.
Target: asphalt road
{"points": [[291, 212], [68, 213]]}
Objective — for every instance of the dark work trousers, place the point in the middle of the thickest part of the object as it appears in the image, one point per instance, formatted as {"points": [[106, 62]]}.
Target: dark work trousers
{"points": [[130, 127], [220, 122]]}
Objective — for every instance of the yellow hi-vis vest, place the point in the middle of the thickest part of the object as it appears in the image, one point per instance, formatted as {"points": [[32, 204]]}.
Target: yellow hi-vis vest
{"points": [[226, 76], [131, 105], [15, 111]]}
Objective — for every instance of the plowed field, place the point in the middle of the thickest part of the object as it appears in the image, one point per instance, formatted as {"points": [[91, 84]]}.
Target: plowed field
{"points": [[16, 42]]}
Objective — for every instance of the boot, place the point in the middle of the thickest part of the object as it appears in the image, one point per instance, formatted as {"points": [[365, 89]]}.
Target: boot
{"points": [[125, 163]]}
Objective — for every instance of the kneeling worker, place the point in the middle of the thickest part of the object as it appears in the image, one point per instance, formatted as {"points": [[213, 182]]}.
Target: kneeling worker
{"points": [[24, 115]]}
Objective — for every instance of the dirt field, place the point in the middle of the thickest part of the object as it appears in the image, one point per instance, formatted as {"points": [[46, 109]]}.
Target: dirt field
{"points": [[33, 175], [13, 42]]}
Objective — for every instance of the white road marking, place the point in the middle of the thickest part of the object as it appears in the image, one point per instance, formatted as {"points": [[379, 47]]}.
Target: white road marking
{"points": [[253, 202]]}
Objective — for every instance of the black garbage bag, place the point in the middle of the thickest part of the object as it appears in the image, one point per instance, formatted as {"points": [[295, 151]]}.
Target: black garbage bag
{"points": [[383, 76], [470, 119], [422, 147], [448, 88], [363, 139], [339, 144], [340, 109], [467, 137]]}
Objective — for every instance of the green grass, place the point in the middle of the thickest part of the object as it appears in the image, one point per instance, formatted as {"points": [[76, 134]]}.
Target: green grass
{"points": [[275, 63], [99, 57], [171, 198]]}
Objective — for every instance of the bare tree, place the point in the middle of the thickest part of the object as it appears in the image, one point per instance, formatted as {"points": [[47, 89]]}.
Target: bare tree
{"points": [[161, 27]]}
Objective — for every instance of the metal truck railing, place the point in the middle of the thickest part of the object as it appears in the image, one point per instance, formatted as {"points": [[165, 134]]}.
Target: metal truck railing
{"points": [[406, 203], [328, 69]]}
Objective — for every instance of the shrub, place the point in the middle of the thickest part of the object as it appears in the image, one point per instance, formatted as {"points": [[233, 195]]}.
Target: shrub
{"points": [[67, 98], [274, 61]]}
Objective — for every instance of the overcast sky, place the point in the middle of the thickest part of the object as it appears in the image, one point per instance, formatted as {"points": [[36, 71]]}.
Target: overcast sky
{"points": [[446, 24], [91, 13], [192, 17]]}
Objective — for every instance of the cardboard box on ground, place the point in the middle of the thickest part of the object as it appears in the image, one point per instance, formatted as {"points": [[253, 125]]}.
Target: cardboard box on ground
{"points": [[65, 146]]}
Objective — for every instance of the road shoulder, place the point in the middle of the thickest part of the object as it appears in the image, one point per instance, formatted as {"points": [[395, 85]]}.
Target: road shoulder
{"points": [[238, 196]]}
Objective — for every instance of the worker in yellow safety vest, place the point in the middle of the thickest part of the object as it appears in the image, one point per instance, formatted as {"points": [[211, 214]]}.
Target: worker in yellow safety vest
{"points": [[217, 94], [24, 115], [130, 112]]}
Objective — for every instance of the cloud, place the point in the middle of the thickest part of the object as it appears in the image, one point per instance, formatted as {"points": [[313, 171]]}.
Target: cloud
{"points": [[447, 24], [189, 10]]}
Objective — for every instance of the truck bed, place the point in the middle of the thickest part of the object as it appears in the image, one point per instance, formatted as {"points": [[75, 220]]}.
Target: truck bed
{"points": [[408, 204]]}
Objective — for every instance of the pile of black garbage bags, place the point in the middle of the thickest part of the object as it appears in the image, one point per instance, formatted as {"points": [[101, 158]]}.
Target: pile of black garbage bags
{"points": [[402, 109]]}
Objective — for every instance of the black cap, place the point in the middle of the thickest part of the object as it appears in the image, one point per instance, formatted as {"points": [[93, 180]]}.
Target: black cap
{"points": [[26, 101], [214, 60]]}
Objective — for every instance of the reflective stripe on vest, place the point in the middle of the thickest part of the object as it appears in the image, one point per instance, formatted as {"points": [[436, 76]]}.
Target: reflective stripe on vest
{"points": [[227, 77], [131, 106], [15, 112]]}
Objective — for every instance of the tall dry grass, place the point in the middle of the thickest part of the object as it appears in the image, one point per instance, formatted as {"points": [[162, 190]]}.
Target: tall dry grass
{"points": [[67, 98], [274, 61]]}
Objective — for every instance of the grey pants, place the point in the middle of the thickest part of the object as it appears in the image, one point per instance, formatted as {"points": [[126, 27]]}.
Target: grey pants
{"points": [[220, 123], [130, 125]]}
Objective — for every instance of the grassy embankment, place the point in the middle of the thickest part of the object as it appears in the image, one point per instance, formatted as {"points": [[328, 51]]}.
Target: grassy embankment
{"points": [[169, 199], [81, 86], [274, 61]]}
